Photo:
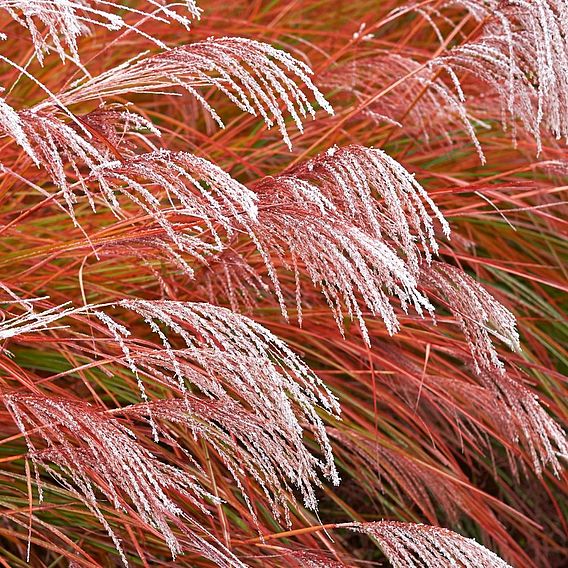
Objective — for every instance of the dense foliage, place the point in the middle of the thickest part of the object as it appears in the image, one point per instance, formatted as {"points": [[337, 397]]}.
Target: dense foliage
{"points": [[283, 283]]}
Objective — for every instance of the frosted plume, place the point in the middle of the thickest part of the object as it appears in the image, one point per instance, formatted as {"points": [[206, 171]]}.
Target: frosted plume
{"points": [[157, 182], [194, 188], [480, 316], [521, 53], [409, 545], [228, 355], [92, 449], [255, 76], [29, 319], [353, 270], [423, 104], [375, 193], [64, 21], [248, 444], [352, 219], [13, 125]]}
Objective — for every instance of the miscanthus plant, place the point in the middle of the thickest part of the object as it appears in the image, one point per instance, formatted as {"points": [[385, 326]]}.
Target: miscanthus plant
{"points": [[282, 283]]}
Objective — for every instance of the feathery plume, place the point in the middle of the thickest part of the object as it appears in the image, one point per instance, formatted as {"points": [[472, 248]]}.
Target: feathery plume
{"points": [[410, 545], [480, 316], [530, 424], [92, 450], [345, 216], [193, 187], [342, 260], [30, 320], [375, 193], [14, 125], [248, 443], [229, 355], [255, 76], [64, 21], [521, 53], [423, 104]]}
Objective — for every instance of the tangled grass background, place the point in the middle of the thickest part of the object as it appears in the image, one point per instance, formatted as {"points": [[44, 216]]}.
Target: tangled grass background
{"points": [[283, 283]]}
